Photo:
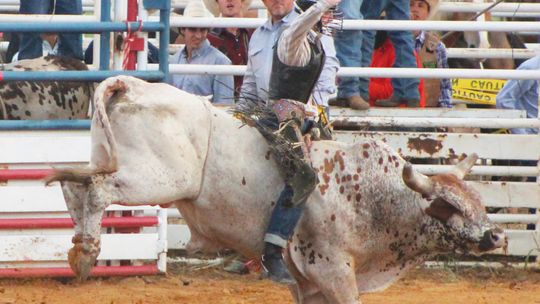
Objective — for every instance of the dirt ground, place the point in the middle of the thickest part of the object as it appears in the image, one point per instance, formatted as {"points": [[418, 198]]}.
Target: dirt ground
{"points": [[213, 286]]}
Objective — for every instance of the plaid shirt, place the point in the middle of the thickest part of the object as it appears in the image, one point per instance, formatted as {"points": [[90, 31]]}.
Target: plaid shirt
{"points": [[235, 47], [445, 98]]}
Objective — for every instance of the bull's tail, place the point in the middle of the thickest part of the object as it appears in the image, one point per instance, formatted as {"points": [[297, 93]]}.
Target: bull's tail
{"points": [[103, 98], [105, 93], [77, 175]]}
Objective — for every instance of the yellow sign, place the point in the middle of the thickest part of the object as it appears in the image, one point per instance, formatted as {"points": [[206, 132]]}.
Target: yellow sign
{"points": [[478, 91]]}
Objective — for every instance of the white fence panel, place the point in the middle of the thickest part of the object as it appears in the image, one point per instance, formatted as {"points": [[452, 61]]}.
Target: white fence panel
{"points": [[33, 248]]}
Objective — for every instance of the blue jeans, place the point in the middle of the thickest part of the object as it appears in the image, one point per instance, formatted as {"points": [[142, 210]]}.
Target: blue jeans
{"points": [[70, 45], [283, 219], [403, 42], [348, 45]]}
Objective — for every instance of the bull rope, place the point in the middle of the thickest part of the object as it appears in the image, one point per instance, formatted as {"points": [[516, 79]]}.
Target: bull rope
{"points": [[210, 132]]}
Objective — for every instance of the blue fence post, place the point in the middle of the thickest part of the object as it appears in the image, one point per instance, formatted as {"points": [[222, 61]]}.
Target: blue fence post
{"points": [[164, 7], [104, 38]]}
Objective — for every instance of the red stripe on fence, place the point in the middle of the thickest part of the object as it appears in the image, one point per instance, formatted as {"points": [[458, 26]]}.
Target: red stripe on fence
{"points": [[98, 271], [50, 223], [7, 174]]}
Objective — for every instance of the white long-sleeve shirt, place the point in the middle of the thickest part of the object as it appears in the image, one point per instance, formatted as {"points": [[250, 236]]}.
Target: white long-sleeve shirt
{"points": [[257, 78]]}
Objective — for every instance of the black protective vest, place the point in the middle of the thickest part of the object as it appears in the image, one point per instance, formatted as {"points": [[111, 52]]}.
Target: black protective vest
{"points": [[296, 83]]}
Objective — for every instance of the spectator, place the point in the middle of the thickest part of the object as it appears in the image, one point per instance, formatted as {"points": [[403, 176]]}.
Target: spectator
{"points": [[153, 53], [69, 44], [522, 94], [405, 90], [432, 53], [383, 57], [233, 42], [260, 53], [199, 51], [49, 45], [349, 46]]}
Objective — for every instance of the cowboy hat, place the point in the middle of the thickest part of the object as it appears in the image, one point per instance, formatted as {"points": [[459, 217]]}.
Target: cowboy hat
{"points": [[197, 9], [213, 6]]}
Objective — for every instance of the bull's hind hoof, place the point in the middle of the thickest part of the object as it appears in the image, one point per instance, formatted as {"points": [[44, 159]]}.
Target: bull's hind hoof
{"points": [[80, 263], [86, 263]]}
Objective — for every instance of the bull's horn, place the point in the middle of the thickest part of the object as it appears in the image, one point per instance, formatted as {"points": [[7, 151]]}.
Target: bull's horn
{"points": [[463, 167], [417, 181]]}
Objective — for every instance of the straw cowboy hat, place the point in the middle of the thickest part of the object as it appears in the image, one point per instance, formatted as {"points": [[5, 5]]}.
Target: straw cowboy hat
{"points": [[212, 5], [433, 5], [197, 9]]}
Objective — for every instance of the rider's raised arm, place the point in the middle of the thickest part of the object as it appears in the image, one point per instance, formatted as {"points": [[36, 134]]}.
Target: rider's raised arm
{"points": [[293, 46]]}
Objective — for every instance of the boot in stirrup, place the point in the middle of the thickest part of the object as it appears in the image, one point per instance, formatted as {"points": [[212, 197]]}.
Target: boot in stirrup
{"points": [[273, 265]]}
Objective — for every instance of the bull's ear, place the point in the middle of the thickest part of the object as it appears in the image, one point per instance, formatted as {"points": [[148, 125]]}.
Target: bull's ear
{"points": [[441, 210], [416, 181], [464, 166]]}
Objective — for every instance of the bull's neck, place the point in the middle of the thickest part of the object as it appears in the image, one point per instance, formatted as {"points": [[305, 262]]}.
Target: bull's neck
{"points": [[415, 235]]}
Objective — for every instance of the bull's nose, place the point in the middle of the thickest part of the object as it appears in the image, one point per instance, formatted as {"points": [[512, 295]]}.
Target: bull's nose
{"points": [[493, 239]]}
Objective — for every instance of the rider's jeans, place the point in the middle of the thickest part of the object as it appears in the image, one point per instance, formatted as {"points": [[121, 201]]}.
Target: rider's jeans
{"points": [[283, 219]]}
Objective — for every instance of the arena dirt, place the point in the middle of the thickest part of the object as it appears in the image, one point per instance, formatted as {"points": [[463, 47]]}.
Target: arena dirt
{"points": [[213, 286]]}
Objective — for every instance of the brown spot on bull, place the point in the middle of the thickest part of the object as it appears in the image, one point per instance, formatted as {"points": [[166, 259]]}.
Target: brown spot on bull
{"points": [[380, 161], [311, 257], [338, 158], [356, 177], [349, 177], [267, 155], [385, 169], [243, 181], [358, 197], [337, 178], [366, 154], [427, 145], [348, 198], [366, 146], [323, 188], [358, 170], [328, 165], [356, 187], [326, 178], [326, 151], [333, 217], [341, 189]]}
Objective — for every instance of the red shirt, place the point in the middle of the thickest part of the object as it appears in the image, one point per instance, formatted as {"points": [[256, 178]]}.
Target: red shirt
{"points": [[235, 47], [381, 88]]}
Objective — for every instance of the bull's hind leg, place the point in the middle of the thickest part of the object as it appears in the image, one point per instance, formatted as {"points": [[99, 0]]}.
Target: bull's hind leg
{"points": [[76, 196], [90, 247]]}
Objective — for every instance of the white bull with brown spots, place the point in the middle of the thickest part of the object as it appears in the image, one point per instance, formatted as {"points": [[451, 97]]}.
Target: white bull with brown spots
{"points": [[371, 218], [45, 99]]}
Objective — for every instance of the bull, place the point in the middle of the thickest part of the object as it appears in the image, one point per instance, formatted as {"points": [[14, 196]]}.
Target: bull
{"points": [[371, 218], [45, 99]]}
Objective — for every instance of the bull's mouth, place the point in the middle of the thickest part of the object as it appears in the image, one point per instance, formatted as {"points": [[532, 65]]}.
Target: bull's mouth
{"points": [[493, 239]]}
